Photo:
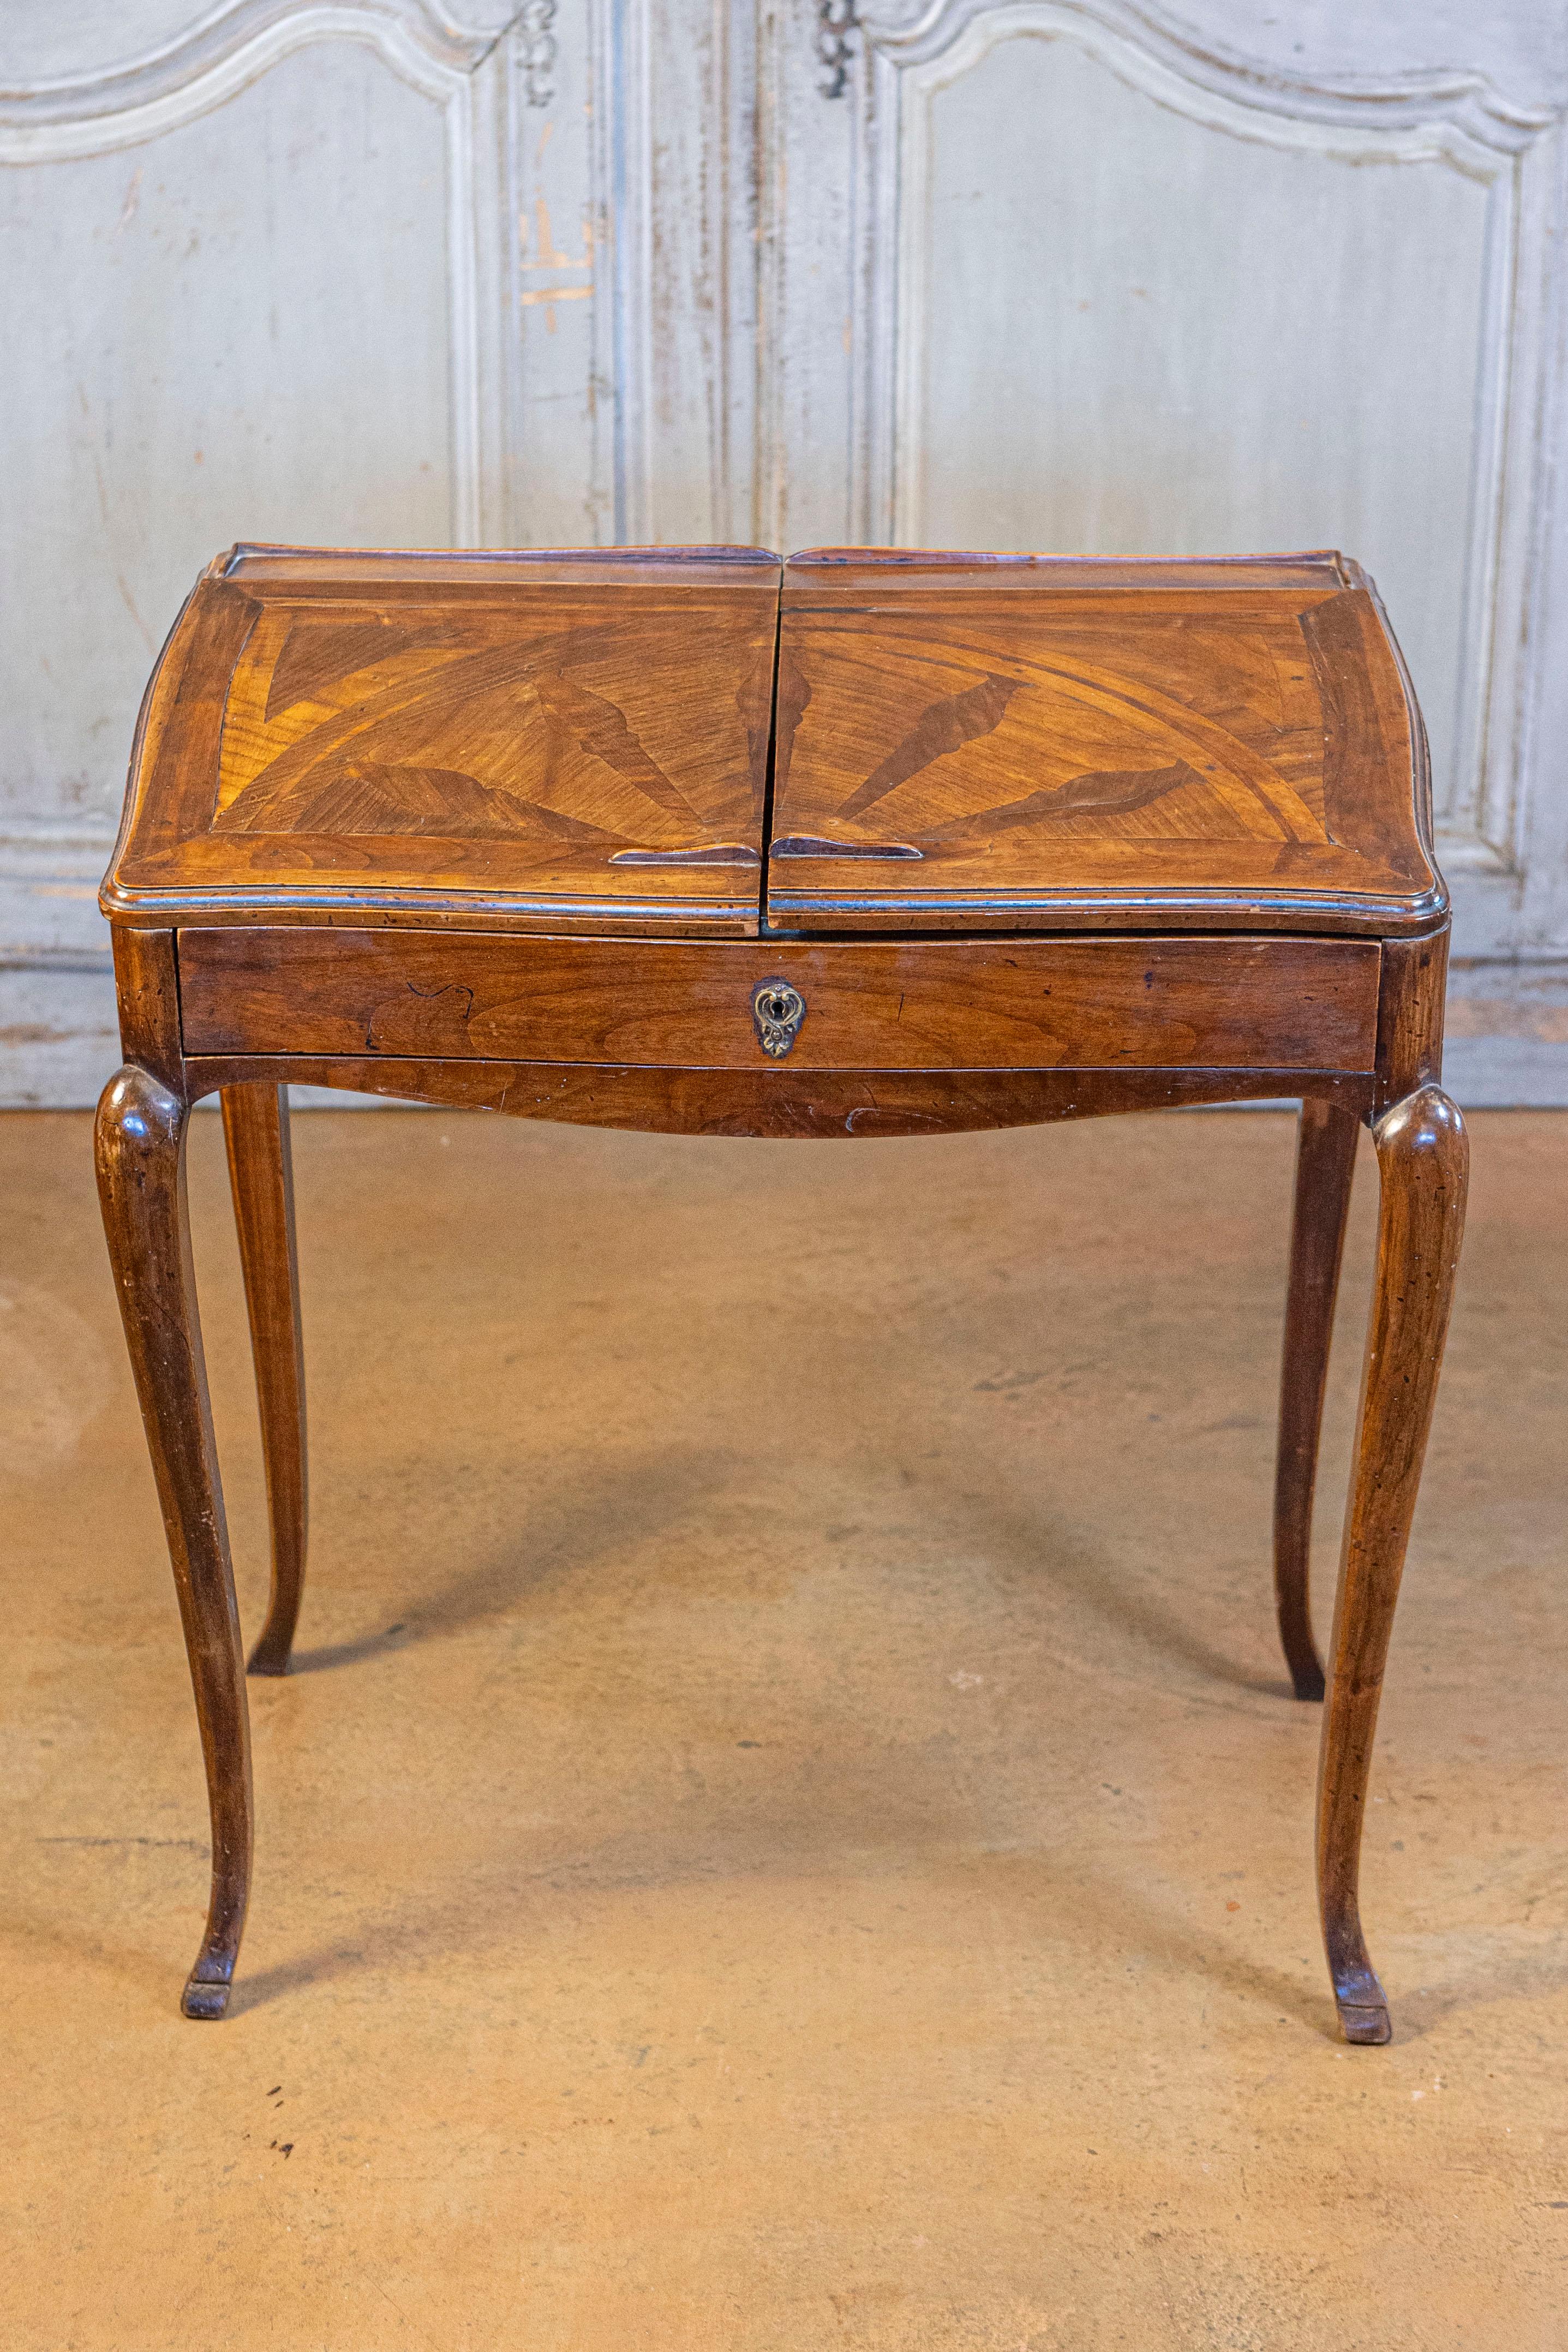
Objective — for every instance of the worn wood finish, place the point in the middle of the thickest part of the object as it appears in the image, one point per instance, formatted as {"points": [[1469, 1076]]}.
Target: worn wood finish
{"points": [[934, 1004], [471, 830], [778, 1104], [141, 1150], [1423, 1157], [1325, 1165], [1410, 1015], [147, 982], [261, 1175], [566, 739], [1017, 741]]}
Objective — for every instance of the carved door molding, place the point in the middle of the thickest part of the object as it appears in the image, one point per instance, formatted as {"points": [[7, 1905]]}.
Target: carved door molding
{"points": [[463, 73], [1512, 148]]}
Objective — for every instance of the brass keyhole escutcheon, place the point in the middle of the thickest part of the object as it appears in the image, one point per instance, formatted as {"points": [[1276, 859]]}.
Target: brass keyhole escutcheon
{"points": [[778, 1010]]}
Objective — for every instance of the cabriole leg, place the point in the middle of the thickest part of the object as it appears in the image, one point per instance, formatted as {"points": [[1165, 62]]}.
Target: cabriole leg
{"points": [[1423, 1157], [1325, 1165], [140, 1148], [255, 1129]]}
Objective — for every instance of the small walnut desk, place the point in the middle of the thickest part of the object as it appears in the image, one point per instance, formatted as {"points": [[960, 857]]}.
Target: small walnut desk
{"points": [[865, 844]]}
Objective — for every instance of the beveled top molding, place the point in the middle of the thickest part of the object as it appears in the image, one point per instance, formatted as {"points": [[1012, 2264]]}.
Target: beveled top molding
{"points": [[1464, 98], [125, 104]]}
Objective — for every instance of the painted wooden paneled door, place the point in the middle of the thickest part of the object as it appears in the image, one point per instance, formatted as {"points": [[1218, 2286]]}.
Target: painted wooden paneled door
{"points": [[1070, 274]]}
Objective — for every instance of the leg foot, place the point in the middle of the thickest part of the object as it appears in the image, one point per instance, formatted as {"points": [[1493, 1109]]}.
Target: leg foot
{"points": [[200, 2000], [1423, 1161], [1325, 1164], [256, 1129], [140, 1139]]}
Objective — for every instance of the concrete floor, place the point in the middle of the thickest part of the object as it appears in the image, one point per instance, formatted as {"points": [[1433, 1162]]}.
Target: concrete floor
{"points": [[789, 1831]]}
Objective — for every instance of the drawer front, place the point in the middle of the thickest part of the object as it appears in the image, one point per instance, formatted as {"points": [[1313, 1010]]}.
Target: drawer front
{"points": [[909, 1004]]}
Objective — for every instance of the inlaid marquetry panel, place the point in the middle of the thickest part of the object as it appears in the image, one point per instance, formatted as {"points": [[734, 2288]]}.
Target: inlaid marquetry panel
{"points": [[1006, 741], [567, 736]]}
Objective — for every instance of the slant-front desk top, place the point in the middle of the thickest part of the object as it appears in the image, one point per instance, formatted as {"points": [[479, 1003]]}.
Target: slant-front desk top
{"points": [[707, 741]]}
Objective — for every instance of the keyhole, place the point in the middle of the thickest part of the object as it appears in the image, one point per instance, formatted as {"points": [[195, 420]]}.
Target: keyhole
{"points": [[778, 1010]]}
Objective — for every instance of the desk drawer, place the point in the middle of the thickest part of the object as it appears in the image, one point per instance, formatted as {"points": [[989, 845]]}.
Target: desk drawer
{"points": [[907, 1004]]}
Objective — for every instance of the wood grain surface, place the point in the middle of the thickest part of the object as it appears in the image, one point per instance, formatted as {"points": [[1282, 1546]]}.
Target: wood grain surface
{"points": [[140, 1142], [261, 1177], [1424, 1159], [869, 1005], [580, 739], [1325, 1168], [777, 1103], [986, 742]]}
